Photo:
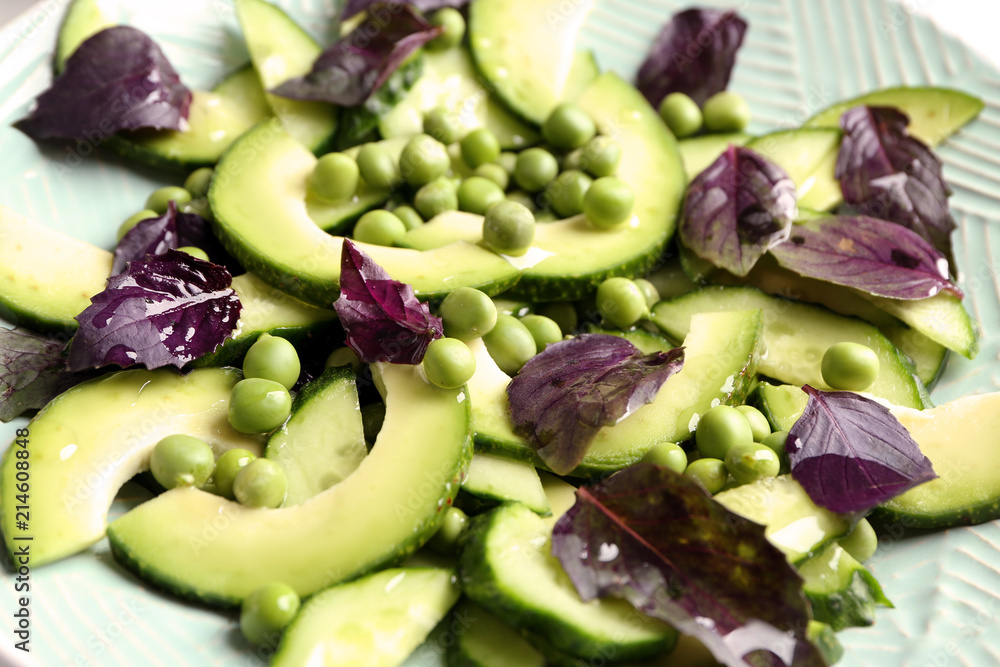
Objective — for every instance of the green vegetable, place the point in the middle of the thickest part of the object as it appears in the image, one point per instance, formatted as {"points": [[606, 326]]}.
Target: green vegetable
{"points": [[681, 114], [535, 168], [379, 227], [758, 422], [726, 112], [258, 405], [567, 192], [335, 177], [669, 455], [423, 160], [448, 363], [273, 358], [648, 290], [436, 197], [543, 330], [721, 428], [411, 219], [260, 483], [510, 343], [181, 460], [480, 147], [226, 468], [750, 462], [621, 303], [861, 542], [455, 523], [477, 194], [601, 156], [452, 25], [467, 313], [377, 166], [159, 200], [568, 127], [608, 202], [850, 366], [508, 228], [266, 612], [134, 220], [495, 173], [198, 181], [194, 252], [711, 473], [443, 124]]}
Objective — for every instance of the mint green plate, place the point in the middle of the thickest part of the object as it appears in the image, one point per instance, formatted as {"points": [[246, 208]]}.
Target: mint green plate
{"points": [[799, 56]]}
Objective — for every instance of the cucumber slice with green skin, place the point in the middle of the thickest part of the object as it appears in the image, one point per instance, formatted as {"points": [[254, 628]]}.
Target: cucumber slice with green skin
{"points": [[781, 404], [935, 113], [47, 277], [721, 356], [700, 152], [188, 541], [648, 342], [967, 489], [809, 156], [500, 479], [90, 440], [506, 566], [376, 621], [281, 50], [841, 591], [527, 66], [796, 335], [489, 642], [929, 358], [792, 521], [323, 442]]}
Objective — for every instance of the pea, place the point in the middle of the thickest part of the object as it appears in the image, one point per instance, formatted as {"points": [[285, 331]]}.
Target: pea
{"points": [[522, 198], [494, 172], [850, 366], [443, 124], [266, 612], [377, 166], [436, 197], [510, 343], [273, 358], [726, 112], [379, 227], [160, 199], [181, 460], [467, 313], [411, 219], [372, 418], [568, 127], [445, 540], [750, 462], [721, 428], [600, 157], [134, 220], [198, 182], [669, 455], [508, 228], [861, 542], [230, 463], [260, 483], [563, 313], [194, 252], [758, 422], [423, 160], [477, 194], [508, 161], [335, 177], [448, 363], [681, 114], [776, 441], [621, 303], [198, 207], [544, 330], [258, 405], [480, 147], [608, 202], [710, 473], [648, 290], [452, 25], [535, 168], [567, 191]]}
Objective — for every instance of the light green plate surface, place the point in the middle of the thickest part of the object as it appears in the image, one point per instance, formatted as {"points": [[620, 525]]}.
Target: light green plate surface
{"points": [[799, 56]]}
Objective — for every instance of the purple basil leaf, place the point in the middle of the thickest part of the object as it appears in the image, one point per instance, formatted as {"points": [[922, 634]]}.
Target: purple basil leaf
{"points": [[658, 540], [354, 6], [872, 255], [383, 319], [172, 230], [694, 54], [565, 394], [739, 207], [850, 454], [356, 66], [886, 173], [164, 310], [32, 372], [119, 79]]}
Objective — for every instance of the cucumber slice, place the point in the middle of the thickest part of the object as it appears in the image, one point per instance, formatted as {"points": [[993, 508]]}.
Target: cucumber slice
{"points": [[700, 152], [83, 20], [523, 53], [929, 358], [781, 404], [323, 441], [792, 521], [499, 479], [647, 341], [809, 156], [96, 436], [796, 335], [489, 642], [841, 591], [376, 621]]}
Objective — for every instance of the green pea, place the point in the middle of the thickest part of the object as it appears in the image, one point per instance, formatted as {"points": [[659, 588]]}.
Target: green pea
{"points": [[467, 313], [543, 329], [335, 177], [260, 483], [423, 160], [495, 173], [508, 161], [710, 473], [445, 540], [535, 168], [681, 114], [443, 124], [861, 542], [266, 612], [719, 429], [436, 197], [726, 112], [522, 198], [343, 356], [258, 405], [648, 290], [776, 441], [621, 303], [452, 25], [567, 191], [510, 343], [758, 422], [230, 463], [750, 462], [448, 363], [194, 252], [850, 366], [411, 219], [379, 227], [377, 166], [477, 194], [608, 202], [669, 455], [563, 313], [372, 418], [508, 228], [480, 147], [198, 182], [134, 220], [568, 127], [601, 156], [160, 199], [273, 358], [181, 460], [198, 206]]}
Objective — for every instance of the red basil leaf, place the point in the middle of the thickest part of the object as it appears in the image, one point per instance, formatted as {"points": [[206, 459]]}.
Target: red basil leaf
{"points": [[850, 453], [739, 207], [382, 317], [354, 6], [886, 173], [566, 393], [694, 54], [163, 311], [119, 79], [658, 540], [32, 372], [872, 255], [356, 66]]}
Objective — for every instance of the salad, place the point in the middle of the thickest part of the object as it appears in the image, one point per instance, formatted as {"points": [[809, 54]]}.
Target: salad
{"points": [[536, 263]]}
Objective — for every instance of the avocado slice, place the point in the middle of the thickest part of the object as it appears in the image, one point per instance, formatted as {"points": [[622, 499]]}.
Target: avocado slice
{"points": [[809, 155]]}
